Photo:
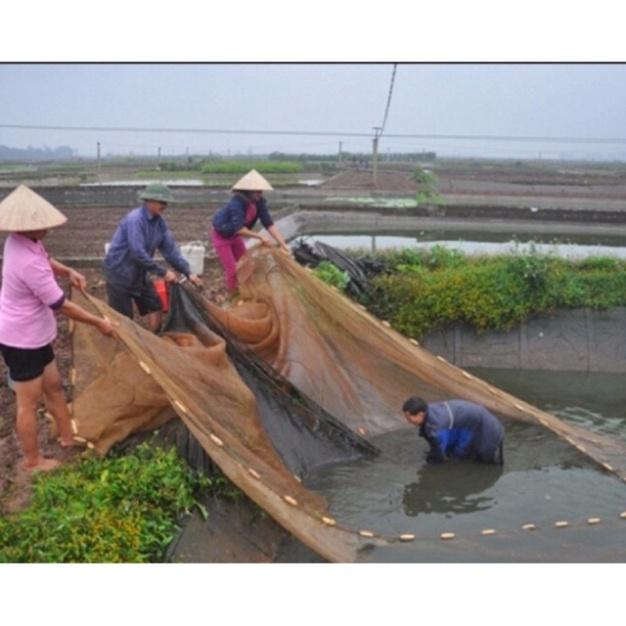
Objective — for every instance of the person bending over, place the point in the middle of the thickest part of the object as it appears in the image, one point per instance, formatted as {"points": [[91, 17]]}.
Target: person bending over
{"points": [[456, 429]]}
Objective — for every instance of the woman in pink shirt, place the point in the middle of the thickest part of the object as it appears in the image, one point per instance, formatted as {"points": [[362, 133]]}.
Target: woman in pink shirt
{"points": [[29, 298]]}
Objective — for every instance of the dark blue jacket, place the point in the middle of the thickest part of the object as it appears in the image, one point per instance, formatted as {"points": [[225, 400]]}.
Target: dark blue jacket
{"points": [[137, 237], [461, 429], [231, 218]]}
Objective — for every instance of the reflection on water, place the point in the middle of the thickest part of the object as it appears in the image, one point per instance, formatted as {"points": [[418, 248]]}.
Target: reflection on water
{"points": [[543, 480], [425, 495], [613, 247]]}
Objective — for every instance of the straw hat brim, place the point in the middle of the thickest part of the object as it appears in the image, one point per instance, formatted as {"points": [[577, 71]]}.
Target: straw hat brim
{"points": [[252, 181], [23, 210]]}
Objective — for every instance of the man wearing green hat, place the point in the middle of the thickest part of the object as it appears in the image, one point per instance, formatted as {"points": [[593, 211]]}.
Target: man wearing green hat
{"points": [[131, 257]]}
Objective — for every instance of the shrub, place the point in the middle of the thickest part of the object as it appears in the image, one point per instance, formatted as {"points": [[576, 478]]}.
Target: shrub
{"points": [[422, 291], [118, 509]]}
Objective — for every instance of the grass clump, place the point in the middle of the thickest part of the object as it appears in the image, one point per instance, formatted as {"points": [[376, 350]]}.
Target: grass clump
{"points": [[113, 510]]}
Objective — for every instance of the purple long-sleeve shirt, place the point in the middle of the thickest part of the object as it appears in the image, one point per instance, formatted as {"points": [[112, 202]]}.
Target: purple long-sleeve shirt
{"points": [[130, 257]]}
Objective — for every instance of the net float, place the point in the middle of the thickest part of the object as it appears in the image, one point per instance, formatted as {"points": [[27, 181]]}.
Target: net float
{"points": [[329, 521], [561, 524], [145, 368], [180, 406], [529, 527], [487, 532], [593, 520], [290, 500], [447, 536], [407, 537], [415, 343], [366, 533], [216, 440], [386, 324], [254, 473]]}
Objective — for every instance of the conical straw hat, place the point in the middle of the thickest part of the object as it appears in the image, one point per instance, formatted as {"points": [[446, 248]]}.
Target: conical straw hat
{"points": [[24, 210], [252, 181]]}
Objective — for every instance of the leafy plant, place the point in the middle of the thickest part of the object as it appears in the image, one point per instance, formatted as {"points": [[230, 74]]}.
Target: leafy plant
{"points": [[422, 291], [332, 275], [118, 509]]}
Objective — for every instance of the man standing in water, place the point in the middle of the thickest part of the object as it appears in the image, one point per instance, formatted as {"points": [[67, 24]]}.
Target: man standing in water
{"points": [[130, 258], [457, 429]]}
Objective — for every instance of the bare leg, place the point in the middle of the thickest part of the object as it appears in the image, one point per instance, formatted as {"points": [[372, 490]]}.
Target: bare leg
{"points": [[154, 321], [55, 403], [28, 397]]}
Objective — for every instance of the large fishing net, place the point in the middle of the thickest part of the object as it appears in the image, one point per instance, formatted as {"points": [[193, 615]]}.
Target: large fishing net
{"points": [[295, 377]]}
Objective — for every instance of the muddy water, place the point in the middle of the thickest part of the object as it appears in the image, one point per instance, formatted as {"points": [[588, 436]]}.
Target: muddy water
{"points": [[543, 480]]}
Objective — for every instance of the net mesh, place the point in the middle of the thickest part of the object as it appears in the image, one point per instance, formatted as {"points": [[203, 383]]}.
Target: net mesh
{"points": [[295, 377]]}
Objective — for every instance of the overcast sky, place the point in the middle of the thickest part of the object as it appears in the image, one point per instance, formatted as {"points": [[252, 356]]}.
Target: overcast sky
{"points": [[547, 100]]}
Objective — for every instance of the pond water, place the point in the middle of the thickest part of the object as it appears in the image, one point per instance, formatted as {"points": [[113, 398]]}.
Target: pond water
{"points": [[472, 243], [543, 480]]}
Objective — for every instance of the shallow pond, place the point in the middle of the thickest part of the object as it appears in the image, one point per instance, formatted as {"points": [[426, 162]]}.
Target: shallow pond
{"points": [[543, 480], [475, 243]]}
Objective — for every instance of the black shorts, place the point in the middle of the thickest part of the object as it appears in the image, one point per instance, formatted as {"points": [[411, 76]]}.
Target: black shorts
{"points": [[122, 300], [26, 364]]}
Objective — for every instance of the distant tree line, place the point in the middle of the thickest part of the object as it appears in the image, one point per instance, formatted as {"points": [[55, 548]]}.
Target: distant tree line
{"points": [[35, 154]]}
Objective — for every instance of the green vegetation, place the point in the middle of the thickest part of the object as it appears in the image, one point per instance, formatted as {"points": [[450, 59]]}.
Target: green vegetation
{"points": [[241, 167], [427, 182], [117, 509], [332, 275], [425, 290]]}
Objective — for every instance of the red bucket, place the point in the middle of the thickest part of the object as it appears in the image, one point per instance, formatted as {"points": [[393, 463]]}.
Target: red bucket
{"points": [[162, 291]]}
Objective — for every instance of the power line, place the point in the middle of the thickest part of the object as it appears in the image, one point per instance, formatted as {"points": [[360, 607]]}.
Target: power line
{"points": [[222, 131], [393, 78]]}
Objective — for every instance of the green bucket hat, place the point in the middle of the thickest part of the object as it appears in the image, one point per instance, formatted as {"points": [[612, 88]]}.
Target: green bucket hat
{"points": [[158, 192]]}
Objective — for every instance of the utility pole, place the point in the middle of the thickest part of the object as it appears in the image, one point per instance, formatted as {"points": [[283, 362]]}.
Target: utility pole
{"points": [[159, 153], [377, 130], [98, 160], [340, 151]]}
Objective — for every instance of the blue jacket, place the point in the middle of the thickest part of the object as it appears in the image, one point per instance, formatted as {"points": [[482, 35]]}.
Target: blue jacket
{"points": [[461, 429], [232, 218], [136, 239]]}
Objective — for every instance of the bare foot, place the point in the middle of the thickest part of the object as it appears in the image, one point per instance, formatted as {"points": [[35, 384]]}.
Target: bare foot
{"points": [[41, 465]]}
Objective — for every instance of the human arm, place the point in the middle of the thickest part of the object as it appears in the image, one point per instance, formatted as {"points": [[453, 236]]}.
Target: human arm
{"points": [[76, 278], [76, 312], [276, 234], [246, 232], [436, 453]]}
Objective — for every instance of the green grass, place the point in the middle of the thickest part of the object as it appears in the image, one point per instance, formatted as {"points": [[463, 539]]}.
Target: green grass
{"points": [[112, 510], [426, 290], [242, 167]]}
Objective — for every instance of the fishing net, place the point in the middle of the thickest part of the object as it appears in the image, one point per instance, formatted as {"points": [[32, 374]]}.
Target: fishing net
{"points": [[294, 378]]}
